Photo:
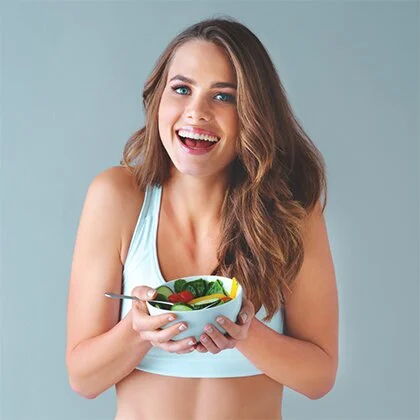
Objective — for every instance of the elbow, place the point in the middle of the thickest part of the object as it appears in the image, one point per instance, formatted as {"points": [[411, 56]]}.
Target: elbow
{"points": [[78, 384], [81, 391], [323, 386], [88, 397], [316, 394]]}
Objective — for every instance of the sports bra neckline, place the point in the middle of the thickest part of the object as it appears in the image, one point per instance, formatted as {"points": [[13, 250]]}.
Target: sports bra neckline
{"points": [[156, 213]]}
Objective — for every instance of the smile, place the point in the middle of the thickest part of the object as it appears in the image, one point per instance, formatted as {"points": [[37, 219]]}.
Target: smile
{"points": [[196, 144]]}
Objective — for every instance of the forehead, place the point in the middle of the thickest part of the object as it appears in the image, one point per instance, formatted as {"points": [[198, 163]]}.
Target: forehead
{"points": [[202, 60]]}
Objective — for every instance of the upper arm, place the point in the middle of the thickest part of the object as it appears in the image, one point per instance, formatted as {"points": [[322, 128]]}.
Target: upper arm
{"points": [[96, 266], [311, 310]]}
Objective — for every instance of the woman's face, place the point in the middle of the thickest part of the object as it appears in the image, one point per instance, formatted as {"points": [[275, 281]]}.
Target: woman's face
{"points": [[198, 119]]}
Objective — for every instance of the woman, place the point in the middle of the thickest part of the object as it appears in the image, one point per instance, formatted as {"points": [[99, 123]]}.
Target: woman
{"points": [[222, 179]]}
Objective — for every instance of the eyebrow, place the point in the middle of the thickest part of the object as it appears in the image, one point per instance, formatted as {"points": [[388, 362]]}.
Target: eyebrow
{"points": [[213, 85]]}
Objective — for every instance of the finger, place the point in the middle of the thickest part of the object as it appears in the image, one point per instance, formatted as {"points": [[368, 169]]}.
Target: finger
{"points": [[248, 306], [200, 348], [187, 350], [181, 346], [208, 343], [234, 330], [142, 321], [246, 313], [217, 337], [143, 292], [166, 334]]}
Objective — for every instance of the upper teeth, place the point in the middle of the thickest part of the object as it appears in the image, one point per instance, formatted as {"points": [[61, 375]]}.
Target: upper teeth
{"points": [[196, 136]]}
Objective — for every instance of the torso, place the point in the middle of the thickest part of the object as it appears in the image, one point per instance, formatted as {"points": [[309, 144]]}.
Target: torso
{"points": [[143, 395]]}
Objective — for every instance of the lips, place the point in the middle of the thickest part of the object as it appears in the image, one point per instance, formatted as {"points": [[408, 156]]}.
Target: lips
{"points": [[196, 147]]}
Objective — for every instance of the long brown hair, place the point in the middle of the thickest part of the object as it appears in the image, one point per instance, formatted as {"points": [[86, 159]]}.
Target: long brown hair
{"points": [[277, 177]]}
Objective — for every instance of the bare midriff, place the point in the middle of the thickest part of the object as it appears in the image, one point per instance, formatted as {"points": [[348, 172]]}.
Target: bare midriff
{"points": [[146, 396]]}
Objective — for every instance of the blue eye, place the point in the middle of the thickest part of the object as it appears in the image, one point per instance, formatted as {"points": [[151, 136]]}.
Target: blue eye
{"points": [[222, 97], [225, 97], [182, 90]]}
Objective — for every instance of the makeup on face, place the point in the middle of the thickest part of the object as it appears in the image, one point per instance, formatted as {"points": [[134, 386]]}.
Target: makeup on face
{"points": [[198, 119]]}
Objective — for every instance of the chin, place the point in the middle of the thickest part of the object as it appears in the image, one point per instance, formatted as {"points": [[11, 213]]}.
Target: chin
{"points": [[196, 172], [206, 169]]}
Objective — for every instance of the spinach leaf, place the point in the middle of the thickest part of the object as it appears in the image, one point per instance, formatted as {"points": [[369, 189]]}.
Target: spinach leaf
{"points": [[180, 285]]}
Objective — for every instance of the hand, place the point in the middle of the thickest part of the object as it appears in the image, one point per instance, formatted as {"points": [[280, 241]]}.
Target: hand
{"points": [[215, 341], [148, 327]]}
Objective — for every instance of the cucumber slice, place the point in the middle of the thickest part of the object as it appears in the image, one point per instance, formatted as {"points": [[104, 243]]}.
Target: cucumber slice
{"points": [[181, 307], [159, 296], [165, 291], [204, 303]]}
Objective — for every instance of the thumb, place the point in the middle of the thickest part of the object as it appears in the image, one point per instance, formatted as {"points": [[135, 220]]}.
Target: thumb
{"points": [[143, 292], [243, 317]]}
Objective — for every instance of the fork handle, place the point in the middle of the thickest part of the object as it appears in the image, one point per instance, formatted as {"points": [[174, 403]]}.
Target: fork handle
{"points": [[117, 296]]}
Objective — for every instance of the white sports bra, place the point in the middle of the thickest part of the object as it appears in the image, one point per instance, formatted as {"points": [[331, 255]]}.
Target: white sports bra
{"points": [[142, 268]]}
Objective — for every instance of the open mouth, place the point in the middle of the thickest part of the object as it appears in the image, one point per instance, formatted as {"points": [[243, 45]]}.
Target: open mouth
{"points": [[199, 142]]}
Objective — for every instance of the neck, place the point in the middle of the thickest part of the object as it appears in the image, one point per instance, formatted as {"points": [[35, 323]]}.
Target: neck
{"points": [[195, 204]]}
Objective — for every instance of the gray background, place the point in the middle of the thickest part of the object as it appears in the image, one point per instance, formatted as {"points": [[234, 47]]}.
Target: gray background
{"points": [[71, 80]]}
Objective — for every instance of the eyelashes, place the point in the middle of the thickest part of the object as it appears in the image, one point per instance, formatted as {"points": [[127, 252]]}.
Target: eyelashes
{"points": [[227, 96], [176, 88]]}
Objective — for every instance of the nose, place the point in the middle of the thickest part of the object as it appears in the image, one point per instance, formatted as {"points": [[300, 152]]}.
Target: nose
{"points": [[198, 110]]}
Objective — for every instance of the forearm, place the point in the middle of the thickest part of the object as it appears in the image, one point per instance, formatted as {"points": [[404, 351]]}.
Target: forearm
{"points": [[100, 362], [299, 365]]}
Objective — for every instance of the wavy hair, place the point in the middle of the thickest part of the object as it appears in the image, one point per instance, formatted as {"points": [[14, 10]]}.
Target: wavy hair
{"points": [[276, 179]]}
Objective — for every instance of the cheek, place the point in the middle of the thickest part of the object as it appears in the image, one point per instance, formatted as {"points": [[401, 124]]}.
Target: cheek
{"points": [[231, 123], [168, 113]]}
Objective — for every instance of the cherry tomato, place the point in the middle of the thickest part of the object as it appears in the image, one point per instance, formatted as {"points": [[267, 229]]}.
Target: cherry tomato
{"points": [[183, 297]]}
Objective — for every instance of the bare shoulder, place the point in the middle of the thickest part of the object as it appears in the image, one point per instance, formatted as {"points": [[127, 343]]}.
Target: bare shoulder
{"points": [[117, 182], [116, 188], [311, 310]]}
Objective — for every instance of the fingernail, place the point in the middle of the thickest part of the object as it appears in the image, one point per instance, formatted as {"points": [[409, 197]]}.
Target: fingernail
{"points": [[244, 317], [209, 329], [191, 343], [220, 320], [170, 318], [182, 327], [150, 293], [204, 339]]}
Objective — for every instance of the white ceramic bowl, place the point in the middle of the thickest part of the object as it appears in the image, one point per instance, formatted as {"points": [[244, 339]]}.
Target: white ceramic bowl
{"points": [[198, 319]]}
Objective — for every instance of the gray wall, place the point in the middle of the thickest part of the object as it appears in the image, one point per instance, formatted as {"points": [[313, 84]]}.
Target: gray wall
{"points": [[71, 79]]}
